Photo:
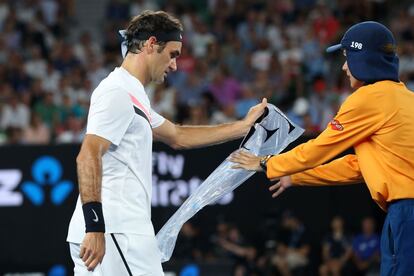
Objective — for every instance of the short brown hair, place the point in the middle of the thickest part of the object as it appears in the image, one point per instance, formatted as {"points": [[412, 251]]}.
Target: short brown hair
{"points": [[150, 22]]}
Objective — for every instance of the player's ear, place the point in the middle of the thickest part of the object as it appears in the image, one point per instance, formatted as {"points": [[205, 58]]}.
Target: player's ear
{"points": [[151, 42]]}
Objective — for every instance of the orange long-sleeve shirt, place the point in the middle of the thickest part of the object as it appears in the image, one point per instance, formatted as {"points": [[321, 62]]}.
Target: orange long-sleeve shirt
{"points": [[378, 121]]}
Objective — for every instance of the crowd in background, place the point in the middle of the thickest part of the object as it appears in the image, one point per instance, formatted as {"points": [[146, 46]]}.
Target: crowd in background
{"points": [[286, 249], [234, 53]]}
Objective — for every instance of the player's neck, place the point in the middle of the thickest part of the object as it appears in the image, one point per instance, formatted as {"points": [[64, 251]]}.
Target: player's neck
{"points": [[130, 64]]}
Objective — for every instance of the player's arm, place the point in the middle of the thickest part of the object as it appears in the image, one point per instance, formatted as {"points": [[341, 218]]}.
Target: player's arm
{"points": [[109, 116], [89, 167], [178, 136], [341, 171], [358, 118]]}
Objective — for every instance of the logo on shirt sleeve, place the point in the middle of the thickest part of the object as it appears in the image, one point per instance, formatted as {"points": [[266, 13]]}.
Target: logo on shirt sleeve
{"points": [[336, 125]]}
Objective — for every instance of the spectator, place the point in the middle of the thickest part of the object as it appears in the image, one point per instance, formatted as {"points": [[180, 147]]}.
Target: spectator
{"points": [[325, 25], [201, 39], [292, 252], [191, 91], [187, 61], [14, 114], [247, 100], [221, 233], [48, 110], [262, 56], [65, 59], [242, 254], [87, 48], [224, 87], [234, 57], [336, 249], [73, 131], [13, 135], [49, 9], [366, 249], [37, 132], [36, 66], [197, 115], [17, 76], [4, 11], [69, 108], [52, 78], [138, 6], [188, 243], [298, 111]]}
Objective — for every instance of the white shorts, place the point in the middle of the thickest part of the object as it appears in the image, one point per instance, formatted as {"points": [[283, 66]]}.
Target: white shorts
{"points": [[137, 253]]}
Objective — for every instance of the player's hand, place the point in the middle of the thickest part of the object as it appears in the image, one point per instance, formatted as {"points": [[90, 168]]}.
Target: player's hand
{"points": [[245, 160], [281, 186], [255, 112], [92, 249]]}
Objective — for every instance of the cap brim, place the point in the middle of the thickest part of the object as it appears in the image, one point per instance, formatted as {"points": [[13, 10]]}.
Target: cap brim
{"points": [[333, 48]]}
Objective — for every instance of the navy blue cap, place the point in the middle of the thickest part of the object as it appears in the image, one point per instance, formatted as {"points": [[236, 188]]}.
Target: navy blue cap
{"points": [[370, 52]]}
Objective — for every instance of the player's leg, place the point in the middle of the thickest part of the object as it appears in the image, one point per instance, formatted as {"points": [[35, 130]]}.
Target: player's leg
{"points": [[143, 255], [112, 263], [387, 248], [124, 255], [402, 225], [397, 241]]}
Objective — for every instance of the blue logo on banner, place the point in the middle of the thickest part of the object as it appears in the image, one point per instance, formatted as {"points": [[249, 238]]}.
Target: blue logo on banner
{"points": [[47, 170], [190, 270], [57, 270]]}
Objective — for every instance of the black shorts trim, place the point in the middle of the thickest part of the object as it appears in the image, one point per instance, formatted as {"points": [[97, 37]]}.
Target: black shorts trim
{"points": [[122, 255]]}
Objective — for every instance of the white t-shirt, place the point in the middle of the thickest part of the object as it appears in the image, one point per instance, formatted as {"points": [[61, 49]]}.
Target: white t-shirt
{"points": [[120, 112]]}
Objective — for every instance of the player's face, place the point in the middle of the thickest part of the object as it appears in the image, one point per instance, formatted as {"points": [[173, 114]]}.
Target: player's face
{"points": [[355, 84], [165, 61], [352, 80]]}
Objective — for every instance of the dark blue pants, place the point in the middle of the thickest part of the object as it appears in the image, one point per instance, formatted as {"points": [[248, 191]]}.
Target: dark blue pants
{"points": [[397, 239]]}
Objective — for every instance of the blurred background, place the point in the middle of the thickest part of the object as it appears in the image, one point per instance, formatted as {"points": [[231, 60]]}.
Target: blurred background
{"points": [[53, 53]]}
